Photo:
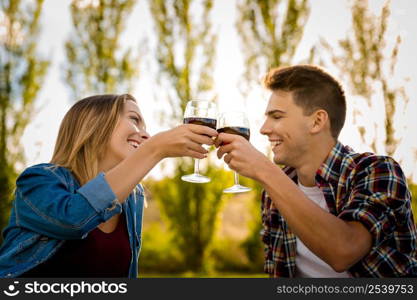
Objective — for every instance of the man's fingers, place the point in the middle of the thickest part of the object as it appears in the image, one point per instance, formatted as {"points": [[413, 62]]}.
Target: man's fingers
{"points": [[224, 149], [227, 158], [226, 138]]}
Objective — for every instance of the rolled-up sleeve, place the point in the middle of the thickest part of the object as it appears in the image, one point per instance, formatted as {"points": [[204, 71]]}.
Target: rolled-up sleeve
{"points": [[100, 195], [45, 204]]}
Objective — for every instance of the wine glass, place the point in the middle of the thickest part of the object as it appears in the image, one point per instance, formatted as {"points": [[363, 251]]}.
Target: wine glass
{"points": [[234, 123], [199, 112]]}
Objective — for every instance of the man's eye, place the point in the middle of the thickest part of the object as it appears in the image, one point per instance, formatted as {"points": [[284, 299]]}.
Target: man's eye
{"points": [[276, 117]]}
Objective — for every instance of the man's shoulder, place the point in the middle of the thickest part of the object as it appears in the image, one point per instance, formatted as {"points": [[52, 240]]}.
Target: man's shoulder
{"points": [[370, 165], [367, 160], [344, 163]]}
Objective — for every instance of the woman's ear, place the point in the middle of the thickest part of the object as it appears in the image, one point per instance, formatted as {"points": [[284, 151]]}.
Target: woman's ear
{"points": [[320, 121]]}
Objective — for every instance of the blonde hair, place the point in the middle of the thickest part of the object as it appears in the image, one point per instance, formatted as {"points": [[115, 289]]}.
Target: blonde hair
{"points": [[85, 132]]}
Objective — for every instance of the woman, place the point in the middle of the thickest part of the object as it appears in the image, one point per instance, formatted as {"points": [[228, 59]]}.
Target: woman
{"points": [[81, 214]]}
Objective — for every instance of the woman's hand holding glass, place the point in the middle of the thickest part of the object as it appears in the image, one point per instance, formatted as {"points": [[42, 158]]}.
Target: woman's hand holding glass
{"points": [[199, 113], [184, 140]]}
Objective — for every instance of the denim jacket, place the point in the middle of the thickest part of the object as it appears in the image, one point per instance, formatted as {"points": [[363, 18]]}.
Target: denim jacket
{"points": [[50, 207]]}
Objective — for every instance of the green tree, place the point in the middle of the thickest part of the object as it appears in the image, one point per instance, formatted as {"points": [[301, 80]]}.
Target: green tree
{"points": [[269, 39], [270, 33], [97, 62], [22, 72], [185, 54], [252, 245], [413, 190], [191, 210], [364, 64]]}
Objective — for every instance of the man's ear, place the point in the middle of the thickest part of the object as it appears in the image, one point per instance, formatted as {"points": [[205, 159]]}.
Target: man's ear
{"points": [[320, 121]]}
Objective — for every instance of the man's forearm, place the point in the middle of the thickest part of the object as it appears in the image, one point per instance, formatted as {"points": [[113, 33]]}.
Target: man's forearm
{"points": [[338, 243]]}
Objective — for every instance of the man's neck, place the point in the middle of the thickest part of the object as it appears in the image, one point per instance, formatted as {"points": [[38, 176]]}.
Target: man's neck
{"points": [[318, 154]]}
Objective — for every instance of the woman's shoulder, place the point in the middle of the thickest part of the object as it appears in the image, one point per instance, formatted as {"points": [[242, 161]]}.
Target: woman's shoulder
{"points": [[46, 170]]}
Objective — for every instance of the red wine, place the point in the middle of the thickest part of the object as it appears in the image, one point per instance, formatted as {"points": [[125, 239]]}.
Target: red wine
{"points": [[201, 121], [242, 131]]}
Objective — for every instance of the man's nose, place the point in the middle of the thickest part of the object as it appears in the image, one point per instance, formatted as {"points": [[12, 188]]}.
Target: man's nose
{"points": [[265, 129]]}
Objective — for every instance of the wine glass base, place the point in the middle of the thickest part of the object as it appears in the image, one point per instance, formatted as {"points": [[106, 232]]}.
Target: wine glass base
{"points": [[195, 178], [237, 188]]}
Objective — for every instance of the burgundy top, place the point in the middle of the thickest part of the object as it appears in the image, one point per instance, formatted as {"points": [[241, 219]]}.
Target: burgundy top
{"points": [[98, 255]]}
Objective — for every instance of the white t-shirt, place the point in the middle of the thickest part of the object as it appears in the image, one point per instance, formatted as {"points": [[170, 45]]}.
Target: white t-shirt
{"points": [[307, 263]]}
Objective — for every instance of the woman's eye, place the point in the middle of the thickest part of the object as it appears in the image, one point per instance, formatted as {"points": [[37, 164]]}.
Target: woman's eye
{"points": [[136, 119], [276, 117]]}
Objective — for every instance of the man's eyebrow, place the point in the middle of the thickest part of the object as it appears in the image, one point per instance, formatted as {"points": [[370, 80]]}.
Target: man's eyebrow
{"points": [[271, 112]]}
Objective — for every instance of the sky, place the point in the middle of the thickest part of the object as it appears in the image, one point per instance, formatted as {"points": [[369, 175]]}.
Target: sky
{"points": [[329, 19]]}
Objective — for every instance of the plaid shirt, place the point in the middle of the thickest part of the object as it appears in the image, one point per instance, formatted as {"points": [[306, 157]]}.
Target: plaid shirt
{"points": [[357, 187]]}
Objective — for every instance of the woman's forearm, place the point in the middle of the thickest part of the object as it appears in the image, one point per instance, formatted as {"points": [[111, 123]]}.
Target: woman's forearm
{"points": [[128, 173]]}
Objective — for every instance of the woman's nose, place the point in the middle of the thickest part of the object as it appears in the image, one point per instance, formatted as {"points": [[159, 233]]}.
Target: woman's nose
{"points": [[144, 134]]}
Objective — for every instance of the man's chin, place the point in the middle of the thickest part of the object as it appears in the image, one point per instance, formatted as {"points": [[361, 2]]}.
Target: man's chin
{"points": [[278, 161], [281, 161]]}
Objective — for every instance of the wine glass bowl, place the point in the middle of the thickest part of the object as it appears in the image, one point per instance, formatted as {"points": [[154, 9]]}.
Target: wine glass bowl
{"points": [[199, 112], [234, 123]]}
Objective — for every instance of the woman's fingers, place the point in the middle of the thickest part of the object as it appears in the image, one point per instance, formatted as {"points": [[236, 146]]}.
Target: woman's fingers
{"points": [[200, 134], [194, 154], [196, 148], [201, 139], [202, 130]]}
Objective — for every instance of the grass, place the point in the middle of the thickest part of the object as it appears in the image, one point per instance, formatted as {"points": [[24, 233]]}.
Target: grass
{"points": [[196, 275]]}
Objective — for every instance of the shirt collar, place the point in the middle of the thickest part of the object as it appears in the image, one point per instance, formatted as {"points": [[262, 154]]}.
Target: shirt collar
{"points": [[329, 170]]}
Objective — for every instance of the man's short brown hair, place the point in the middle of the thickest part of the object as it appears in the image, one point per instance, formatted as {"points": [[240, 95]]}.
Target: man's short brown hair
{"points": [[312, 89]]}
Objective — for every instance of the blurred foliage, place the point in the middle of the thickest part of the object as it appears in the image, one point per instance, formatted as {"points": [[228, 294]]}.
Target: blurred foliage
{"points": [[97, 62], [191, 211], [176, 247], [364, 65], [159, 253], [22, 73], [228, 255], [186, 53], [253, 245], [269, 37], [413, 190]]}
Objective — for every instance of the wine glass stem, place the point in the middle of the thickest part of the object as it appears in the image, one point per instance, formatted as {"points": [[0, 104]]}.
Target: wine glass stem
{"points": [[196, 166], [236, 178]]}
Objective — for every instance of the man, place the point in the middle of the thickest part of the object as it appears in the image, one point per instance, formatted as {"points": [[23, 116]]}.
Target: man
{"points": [[330, 212]]}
